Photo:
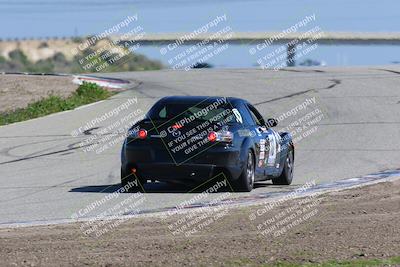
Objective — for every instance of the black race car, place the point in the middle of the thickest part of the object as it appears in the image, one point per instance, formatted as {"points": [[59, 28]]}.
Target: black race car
{"points": [[192, 139]]}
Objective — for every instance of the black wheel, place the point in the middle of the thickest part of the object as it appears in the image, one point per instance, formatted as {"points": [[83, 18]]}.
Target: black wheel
{"points": [[287, 173], [131, 181], [245, 182]]}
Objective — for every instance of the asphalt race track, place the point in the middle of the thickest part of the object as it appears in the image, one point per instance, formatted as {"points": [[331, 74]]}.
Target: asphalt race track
{"points": [[45, 175]]}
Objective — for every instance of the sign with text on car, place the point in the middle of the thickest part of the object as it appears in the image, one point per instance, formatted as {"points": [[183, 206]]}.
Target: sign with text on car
{"points": [[188, 129]]}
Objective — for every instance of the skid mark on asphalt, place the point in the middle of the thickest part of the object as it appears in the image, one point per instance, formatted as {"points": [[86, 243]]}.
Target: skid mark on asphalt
{"points": [[89, 131], [335, 83], [391, 71], [7, 151], [303, 71], [32, 136], [71, 148], [44, 154]]}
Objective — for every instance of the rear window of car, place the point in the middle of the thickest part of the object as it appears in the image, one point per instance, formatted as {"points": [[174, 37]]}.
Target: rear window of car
{"points": [[201, 112]]}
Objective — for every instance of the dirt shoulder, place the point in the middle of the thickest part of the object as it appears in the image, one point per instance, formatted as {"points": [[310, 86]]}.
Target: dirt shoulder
{"points": [[358, 225], [17, 91]]}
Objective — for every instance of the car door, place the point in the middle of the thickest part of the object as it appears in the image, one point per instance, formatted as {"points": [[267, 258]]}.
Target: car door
{"points": [[269, 144]]}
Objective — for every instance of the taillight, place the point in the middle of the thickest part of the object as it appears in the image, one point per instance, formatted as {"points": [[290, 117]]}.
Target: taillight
{"points": [[220, 136], [212, 136], [177, 126], [142, 134]]}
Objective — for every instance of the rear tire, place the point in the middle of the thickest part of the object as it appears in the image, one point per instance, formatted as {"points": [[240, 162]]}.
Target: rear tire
{"points": [[286, 176], [245, 182]]}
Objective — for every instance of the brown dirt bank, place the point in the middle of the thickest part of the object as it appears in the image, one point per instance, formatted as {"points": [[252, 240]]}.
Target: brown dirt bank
{"points": [[17, 91], [354, 224]]}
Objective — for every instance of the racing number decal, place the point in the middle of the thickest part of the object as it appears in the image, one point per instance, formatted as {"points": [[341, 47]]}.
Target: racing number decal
{"points": [[262, 148], [278, 140], [237, 115], [262, 153], [274, 148]]}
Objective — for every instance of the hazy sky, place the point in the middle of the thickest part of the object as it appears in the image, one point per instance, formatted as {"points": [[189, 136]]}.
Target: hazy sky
{"points": [[39, 18]]}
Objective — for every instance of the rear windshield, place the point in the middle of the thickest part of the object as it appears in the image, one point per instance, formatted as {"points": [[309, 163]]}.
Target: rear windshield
{"points": [[192, 111]]}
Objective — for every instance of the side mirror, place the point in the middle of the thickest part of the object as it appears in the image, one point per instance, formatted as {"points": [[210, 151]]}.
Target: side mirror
{"points": [[271, 123]]}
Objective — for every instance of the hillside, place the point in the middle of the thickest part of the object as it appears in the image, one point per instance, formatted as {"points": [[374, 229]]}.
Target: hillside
{"points": [[64, 55]]}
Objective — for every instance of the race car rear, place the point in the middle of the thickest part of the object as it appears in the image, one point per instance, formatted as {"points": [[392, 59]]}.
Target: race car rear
{"points": [[183, 143]]}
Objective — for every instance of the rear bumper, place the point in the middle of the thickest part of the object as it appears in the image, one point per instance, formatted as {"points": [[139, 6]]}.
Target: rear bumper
{"points": [[207, 165], [175, 173]]}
